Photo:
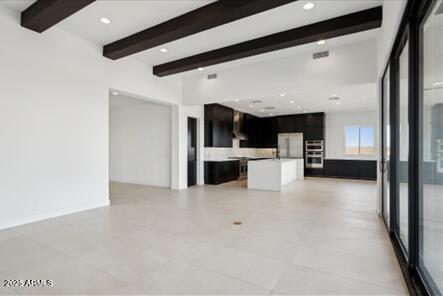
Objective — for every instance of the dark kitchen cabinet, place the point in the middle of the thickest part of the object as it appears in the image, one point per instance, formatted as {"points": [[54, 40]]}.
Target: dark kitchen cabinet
{"points": [[290, 124], [315, 120], [218, 172], [351, 168], [314, 133], [252, 130], [330, 167], [219, 123], [268, 132]]}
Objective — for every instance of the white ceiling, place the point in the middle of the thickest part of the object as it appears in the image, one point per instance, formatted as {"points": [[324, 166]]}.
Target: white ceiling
{"points": [[131, 16], [359, 97]]}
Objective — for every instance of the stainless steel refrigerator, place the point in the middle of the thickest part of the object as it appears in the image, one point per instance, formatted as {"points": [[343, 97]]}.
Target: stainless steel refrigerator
{"points": [[291, 145]]}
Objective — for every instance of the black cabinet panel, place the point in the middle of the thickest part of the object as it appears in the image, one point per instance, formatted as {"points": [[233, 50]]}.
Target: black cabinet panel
{"points": [[290, 123], [268, 136], [251, 129], [314, 119], [350, 168], [314, 133], [314, 172], [330, 166], [218, 172], [368, 169], [219, 123]]}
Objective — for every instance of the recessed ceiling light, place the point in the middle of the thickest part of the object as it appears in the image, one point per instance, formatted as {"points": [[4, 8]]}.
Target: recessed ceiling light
{"points": [[105, 20], [201, 68], [333, 95], [298, 107], [292, 102], [271, 114], [164, 50], [250, 106], [262, 110], [321, 42], [282, 95], [237, 100], [305, 111], [437, 83], [308, 6], [114, 93], [338, 103]]}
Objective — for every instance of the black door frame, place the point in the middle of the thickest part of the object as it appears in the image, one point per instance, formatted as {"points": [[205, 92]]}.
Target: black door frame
{"points": [[419, 282], [192, 173]]}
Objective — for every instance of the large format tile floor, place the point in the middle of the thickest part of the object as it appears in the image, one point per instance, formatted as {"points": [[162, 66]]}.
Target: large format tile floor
{"points": [[318, 236]]}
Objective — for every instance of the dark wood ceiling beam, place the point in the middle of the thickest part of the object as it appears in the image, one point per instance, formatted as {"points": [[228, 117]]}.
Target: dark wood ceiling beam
{"points": [[343, 25], [43, 14], [201, 19]]}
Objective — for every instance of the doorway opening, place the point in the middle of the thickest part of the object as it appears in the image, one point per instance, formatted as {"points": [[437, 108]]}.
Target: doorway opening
{"points": [[139, 141], [192, 151]]}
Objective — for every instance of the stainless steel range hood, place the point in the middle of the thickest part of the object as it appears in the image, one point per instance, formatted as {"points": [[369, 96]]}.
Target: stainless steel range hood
{"points": [[238, 133]]}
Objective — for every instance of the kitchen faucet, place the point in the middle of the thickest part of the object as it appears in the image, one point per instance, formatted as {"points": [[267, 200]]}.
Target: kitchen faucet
{"points": [[277, 151]]}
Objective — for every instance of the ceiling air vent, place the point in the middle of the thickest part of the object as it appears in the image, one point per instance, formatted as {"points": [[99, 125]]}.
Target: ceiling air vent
{"points": [[256, 102], [269, 108], [212, 76], [319, 55]]}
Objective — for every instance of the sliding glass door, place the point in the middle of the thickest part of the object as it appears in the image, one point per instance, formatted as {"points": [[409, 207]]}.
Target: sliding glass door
{"points": [[431, 162], [412, 154], [403, 144], [386, 149]]}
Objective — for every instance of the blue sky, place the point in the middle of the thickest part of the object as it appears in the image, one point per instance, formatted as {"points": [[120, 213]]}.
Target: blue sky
{"points": [[356, 136]]}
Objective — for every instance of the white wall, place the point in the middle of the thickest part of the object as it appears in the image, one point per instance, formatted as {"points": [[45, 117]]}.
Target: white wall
{"points": [[139, 142], [392, 14], [335, 136], [54, 119]]}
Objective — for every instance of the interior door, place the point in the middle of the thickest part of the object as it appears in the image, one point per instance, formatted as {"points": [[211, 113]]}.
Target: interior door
{"points": [[192, 151]]}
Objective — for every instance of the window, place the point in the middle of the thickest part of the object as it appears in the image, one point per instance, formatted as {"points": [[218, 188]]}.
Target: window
{"points": [[359, 140]]}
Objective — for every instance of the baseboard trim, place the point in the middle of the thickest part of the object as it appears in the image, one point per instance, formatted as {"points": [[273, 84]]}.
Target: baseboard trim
{"points": [[53, 214]]}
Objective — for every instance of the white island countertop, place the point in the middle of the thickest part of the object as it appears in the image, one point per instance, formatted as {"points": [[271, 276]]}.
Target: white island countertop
{"points": [[272, 174]]}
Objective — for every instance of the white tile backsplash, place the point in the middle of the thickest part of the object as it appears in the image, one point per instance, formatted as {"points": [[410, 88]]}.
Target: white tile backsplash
{"points": [[236, 151]]}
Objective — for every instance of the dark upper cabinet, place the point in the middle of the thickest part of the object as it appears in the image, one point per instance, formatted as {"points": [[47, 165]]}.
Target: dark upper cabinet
{"points": [[219, 123], [268, 132], [314, 133], [315, 120], [251, 129], [290, 123]]}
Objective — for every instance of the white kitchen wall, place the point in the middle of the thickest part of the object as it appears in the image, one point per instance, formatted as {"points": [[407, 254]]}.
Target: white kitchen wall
{"points": [[54, 119], [139, 142], [335, 136]]}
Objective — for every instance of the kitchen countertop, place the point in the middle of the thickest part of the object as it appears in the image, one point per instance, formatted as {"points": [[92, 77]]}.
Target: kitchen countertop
{"points": [[221, 160]]}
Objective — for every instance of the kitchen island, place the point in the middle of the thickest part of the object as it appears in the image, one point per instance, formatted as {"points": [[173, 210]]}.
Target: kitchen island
{"points": [[272, 174]]}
